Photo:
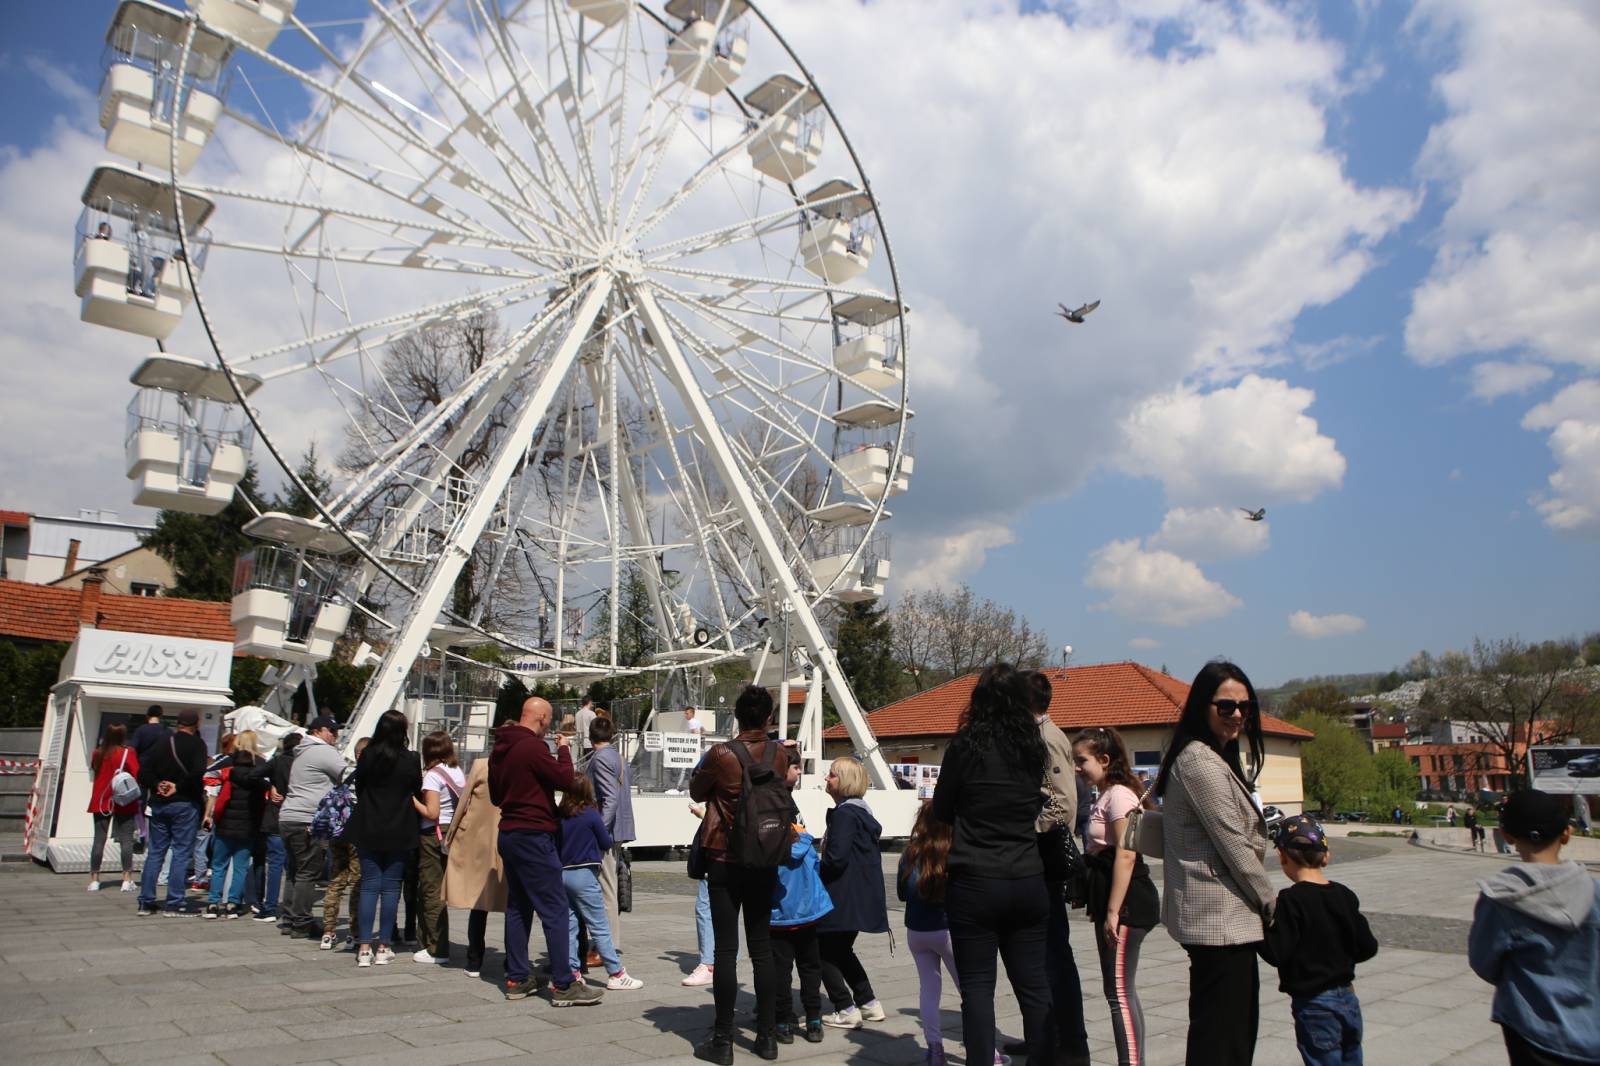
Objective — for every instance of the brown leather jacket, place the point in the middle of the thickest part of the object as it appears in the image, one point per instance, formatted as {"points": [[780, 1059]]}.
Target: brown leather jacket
{"points": [[719, 780]]}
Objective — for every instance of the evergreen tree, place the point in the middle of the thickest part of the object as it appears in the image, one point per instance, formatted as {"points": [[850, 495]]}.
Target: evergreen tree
{"points": [[865, 647], [292, 500]]}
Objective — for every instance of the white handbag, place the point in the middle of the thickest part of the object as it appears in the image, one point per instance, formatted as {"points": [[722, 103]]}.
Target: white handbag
{"points": [[1143, 831]]}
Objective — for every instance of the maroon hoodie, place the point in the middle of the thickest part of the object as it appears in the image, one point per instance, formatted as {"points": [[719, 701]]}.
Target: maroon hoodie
{"points": [[524, 777]]}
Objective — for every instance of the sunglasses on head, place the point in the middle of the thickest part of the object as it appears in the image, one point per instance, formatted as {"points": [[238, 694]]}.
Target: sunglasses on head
{"points": [[1229, 708]]}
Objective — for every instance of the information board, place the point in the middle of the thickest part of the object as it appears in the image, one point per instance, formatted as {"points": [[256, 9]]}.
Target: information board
{"points": [[680, 751], [652, 740]]}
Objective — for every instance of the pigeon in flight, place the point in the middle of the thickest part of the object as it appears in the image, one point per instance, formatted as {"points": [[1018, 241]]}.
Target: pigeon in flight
{"points": [[1254, 516], [1079, 315]]}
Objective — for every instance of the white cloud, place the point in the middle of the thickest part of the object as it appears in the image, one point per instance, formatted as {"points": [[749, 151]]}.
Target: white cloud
{"points": [[1321, 626], [1519, 265], [1492, 379], [1251, 443], [1207, 534], [1572, 504], [1156, 586], [1144, 643], [945, 560]]}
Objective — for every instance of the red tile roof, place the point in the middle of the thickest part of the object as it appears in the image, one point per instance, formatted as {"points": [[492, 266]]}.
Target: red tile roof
{"points": [[43, 612], [1114, 694], [1389, 731], [14, 518]]}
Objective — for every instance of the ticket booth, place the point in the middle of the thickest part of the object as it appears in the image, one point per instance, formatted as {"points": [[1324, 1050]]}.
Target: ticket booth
{"points": [[109, 677]]}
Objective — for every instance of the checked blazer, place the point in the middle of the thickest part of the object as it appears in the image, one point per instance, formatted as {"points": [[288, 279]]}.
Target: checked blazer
{"points": [[1215, 888]]}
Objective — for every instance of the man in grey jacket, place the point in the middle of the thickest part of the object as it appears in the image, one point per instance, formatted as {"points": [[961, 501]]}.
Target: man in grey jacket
{"points": [[615, 798], [317, 767]]}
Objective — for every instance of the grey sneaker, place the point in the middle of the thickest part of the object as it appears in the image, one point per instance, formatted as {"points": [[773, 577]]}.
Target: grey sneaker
{"points": [[577, 994]]}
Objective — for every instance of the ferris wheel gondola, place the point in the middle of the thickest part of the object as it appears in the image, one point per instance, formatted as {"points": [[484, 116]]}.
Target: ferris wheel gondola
{"points": [[660, 360]]}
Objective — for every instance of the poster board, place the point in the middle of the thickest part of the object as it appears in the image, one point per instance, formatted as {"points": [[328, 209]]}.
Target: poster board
{"points": [[680, 751], [1566, 769]]}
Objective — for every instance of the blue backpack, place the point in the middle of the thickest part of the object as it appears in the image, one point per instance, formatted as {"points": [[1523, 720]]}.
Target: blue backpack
{"points": [[333, 812]]}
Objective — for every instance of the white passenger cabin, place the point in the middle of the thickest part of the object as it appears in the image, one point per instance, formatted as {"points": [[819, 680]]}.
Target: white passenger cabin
{"points": [[127, 267], [292, 597], [606, 12], [188, 443], [865, 466], [869, 353], [714, 31], [859, 581], [838, 235], [790, 145], [256, 22], [143, 96]]}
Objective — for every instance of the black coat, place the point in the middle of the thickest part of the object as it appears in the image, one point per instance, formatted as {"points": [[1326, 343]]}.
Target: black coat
{"points": [[852, 870], [384, 818], [275, 776], [241, 817]]}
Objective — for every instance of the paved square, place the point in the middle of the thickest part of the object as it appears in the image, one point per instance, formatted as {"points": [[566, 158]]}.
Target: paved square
{"points": [[84, 981]]}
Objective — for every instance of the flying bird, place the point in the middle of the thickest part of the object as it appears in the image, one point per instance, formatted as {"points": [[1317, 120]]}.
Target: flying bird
{"points": [[1254, 516], [1079, 315]]}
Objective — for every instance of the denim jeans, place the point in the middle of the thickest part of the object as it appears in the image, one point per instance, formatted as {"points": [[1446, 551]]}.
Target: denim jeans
{"points": [[277, 856], [200, 860], [230, 862], [585, 899], [1327, 1027], [172, 828], [702, 925], [381, 874]]}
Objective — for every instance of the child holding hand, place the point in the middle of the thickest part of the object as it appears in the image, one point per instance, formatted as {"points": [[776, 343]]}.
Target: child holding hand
{"points": [[1317, 936]]}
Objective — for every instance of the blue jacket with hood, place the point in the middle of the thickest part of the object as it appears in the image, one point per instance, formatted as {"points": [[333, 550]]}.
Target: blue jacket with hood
{"points": [[1536, 938]]}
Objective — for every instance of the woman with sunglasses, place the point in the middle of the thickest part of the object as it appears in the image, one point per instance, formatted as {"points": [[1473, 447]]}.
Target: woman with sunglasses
{"points": [[1216, 896]]}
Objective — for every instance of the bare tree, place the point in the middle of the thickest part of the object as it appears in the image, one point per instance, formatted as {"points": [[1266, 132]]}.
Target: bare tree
{"points": [[940, 635], [1517, 694]]}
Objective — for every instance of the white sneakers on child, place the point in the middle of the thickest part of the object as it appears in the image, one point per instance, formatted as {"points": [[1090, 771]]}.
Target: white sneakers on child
{"points": [[328, 941], [383, 956], [699, 978], [872, 1011], [364, 957], [423, 957], [849, 1018], [621, 982]]}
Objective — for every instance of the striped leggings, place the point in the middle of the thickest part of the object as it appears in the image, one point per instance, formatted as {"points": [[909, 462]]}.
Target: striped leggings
{"points": [[1118, 963]]}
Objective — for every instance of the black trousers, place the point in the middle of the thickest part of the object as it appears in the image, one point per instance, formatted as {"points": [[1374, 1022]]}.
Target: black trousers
{"points": [[477, 931], [792, 949], [1522, 1053], [990, 914], [307, 858], [732, 889], [1224, 1004], [842, 971]]}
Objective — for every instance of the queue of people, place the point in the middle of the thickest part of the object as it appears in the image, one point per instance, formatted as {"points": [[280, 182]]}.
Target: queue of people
{"points": [[988, 876]]}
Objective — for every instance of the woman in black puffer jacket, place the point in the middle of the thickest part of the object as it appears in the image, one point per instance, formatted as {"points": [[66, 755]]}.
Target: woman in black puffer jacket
{"points": [[234, 822]]}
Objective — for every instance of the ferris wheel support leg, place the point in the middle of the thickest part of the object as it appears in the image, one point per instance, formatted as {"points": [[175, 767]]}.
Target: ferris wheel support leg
{"points": [[388, 680], [772, 557]]}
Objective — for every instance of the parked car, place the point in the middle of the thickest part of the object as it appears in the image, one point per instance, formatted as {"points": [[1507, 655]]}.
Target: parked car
{"points": [[1584, 766]]}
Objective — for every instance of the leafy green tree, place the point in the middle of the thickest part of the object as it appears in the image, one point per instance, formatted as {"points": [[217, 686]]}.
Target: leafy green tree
{"points": [[1397, 781], [244, 680], [26, 675], [1336, 768], [865, 647], [1322, 699], [636, 626]]}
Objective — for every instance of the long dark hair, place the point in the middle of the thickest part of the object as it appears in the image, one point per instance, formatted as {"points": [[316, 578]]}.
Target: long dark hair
{"points": [[577, 796], [388, 746], [928, 853], [1195, 725], [1103, 740], [1000, 719]]}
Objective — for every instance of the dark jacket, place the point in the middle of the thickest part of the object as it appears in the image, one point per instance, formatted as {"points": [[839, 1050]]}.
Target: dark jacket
{"points": [[240, 818], [922, 916], [181, 759], [148, 736], [276, 776], [524, 777], [852, 868], [583, 839], [384, 818], [718, 782]]}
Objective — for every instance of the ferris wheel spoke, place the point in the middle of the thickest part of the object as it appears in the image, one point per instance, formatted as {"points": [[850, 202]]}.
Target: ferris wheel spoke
{"points": [[737, 329], [746, 282], [722, 236]]}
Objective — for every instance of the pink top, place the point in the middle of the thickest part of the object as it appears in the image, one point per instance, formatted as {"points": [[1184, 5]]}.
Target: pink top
{"points": [[1114, 804]]}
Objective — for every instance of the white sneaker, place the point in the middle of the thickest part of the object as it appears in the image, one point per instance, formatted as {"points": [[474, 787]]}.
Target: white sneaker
{"points": [[128, 886], [328, 940], [621, 982], [849, 1018], [364, 959], [423, 957], [383, 957], [94, 886], [872, 1011], [699, 978]]}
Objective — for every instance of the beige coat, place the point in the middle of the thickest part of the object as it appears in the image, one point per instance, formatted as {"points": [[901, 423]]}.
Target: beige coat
{"points": [[473, 876], [1060, 786], [1217, 890]]}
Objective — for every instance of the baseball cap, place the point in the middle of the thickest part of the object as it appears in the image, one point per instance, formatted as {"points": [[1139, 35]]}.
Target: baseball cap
{"points": [[1535, 816], [1300, 831], [322, 721], [188, 716]]}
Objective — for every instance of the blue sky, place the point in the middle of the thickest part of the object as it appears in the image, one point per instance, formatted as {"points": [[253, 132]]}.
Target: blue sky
{"points": [[1424, 294]]}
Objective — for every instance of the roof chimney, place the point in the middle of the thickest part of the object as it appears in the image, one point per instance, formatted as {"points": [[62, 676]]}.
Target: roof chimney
{"points": [[72, 556], [89, 596]]}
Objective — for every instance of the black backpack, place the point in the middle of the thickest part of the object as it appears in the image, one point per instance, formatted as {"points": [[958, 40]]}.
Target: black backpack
{"points": [[761, 832]]}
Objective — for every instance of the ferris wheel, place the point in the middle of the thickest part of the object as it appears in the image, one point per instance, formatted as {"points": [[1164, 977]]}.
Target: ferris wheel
{"points": [[589, 296]]}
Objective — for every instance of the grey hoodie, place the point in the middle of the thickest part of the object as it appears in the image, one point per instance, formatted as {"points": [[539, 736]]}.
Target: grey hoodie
{"points": [[1536, 938], [317, 767]]}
